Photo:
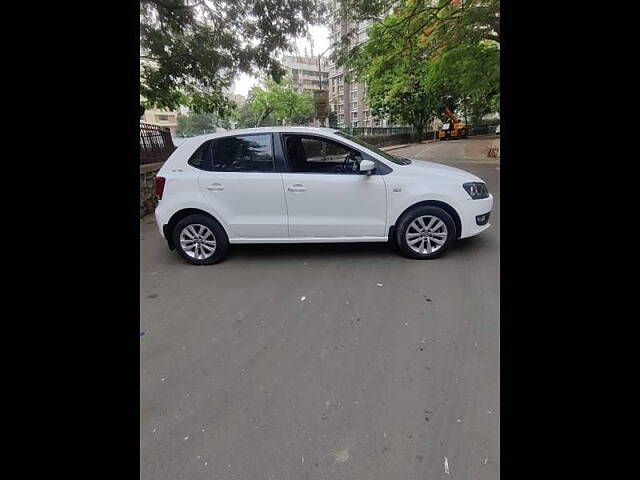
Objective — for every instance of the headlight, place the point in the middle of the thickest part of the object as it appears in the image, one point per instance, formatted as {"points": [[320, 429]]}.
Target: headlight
{"points": [[476, 190]]}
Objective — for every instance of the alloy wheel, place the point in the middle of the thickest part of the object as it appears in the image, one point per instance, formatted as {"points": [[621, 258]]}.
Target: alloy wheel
{"points": [[197, 241], [426, 234]]}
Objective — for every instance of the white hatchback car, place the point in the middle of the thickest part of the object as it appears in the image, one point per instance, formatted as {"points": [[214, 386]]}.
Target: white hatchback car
{"points": [[310, 185]]}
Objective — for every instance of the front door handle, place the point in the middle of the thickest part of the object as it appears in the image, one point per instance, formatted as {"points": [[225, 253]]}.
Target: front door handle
{"points": [[296, 188], [215, 186]]}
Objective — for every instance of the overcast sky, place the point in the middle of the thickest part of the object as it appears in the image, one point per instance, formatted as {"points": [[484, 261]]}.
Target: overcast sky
{"points": [[320, 40]]}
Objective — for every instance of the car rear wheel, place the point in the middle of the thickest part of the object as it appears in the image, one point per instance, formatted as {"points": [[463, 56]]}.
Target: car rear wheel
{"points": [[425, 232], [200, 240]]}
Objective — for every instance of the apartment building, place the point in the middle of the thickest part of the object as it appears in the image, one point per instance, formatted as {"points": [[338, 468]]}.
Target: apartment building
{"points": [[237, 98], [304, 73], [161, 118], [348, 100]]}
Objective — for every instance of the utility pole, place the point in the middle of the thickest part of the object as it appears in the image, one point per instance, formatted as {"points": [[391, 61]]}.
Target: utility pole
{"points": [[320, 75]]}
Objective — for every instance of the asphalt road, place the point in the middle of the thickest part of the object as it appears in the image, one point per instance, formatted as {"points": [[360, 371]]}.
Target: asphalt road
{"points": [[342, 361]]}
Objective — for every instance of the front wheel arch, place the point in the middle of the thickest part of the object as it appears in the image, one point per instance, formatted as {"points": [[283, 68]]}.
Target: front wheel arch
{"points": [[431, 203]]}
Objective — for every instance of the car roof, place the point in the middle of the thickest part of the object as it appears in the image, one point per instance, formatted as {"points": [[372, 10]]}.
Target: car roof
{"points": [[285, 129]]}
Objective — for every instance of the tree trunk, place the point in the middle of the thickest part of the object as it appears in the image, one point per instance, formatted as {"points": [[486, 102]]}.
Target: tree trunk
{"points": [[419, 131], [265, 113]]}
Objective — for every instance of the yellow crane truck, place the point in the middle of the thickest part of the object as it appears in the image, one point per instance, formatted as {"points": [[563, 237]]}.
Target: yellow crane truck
{"points": [[454, 129]]}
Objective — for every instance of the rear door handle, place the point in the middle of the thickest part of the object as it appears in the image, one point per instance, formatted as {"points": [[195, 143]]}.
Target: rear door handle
{"points": [[215, 186], [296, 188]]}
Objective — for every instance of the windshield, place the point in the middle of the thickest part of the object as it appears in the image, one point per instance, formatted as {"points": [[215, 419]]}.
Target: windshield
{"points": [[395, 159]]}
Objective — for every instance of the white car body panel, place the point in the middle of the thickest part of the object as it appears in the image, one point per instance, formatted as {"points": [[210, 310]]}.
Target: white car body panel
{"points": [[334, 205], [182, 191], [440, 183], [256, 207], [262, 214]]}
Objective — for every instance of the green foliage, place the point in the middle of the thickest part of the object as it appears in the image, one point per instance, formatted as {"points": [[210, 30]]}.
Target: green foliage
{"points": [[439, 24], [245, 115], [196, 123], [192, 49], [396, 88], [426, 56], [473, 71], [276, 104]]}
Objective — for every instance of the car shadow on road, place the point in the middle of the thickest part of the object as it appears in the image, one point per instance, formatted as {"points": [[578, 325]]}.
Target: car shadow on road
{"points": [[471, 246], [343, 251], [310, 250]]}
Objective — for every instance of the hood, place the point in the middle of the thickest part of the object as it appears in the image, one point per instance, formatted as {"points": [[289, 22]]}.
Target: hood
{"points": [[431, 169]]}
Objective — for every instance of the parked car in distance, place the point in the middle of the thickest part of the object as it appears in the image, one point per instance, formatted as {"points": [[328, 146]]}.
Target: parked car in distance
{"points": [[498, 130], [310, 185]]}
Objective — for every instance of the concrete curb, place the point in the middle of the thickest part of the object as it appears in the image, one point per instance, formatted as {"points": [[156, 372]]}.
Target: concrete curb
{"points": [[488, 162], [394, 147]]}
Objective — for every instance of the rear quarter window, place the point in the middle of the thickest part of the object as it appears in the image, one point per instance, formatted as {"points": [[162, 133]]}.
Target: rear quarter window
{"points": [[201, 158]]}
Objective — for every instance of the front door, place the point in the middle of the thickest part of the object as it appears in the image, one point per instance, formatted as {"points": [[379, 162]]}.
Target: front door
{"points": [[327, 197], [244, 188]]}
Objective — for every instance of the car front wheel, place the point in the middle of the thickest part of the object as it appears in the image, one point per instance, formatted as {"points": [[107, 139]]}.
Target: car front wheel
{"points": [[200, 240], [425, 232]]}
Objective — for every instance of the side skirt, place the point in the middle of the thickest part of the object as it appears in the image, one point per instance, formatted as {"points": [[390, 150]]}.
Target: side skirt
{"points": [[309, 240]]}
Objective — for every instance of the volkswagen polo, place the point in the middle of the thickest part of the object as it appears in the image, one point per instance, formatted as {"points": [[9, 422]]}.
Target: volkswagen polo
{"points": [[310, 185]]}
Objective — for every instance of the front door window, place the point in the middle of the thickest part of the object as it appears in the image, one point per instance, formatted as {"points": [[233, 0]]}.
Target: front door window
{"points": [[309, 154]]}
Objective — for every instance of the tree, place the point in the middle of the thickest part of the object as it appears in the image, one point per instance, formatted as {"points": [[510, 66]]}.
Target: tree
{"points": [[413, 69], [439, 24], [247, 116], [226, 122], [280, 103], [473, 71], [400, 81], [191, 49], [397, 89], [196, 123]]}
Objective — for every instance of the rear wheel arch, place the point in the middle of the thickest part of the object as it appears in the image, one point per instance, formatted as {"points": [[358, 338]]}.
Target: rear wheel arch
{"points": [[431, 203], [179, 215]]}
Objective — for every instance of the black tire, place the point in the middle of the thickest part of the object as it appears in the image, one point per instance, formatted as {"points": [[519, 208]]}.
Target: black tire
{"points": [[407, 219], [221, 239]]}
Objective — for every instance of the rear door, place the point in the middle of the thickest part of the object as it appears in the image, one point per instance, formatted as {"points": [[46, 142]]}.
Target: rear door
{"points": [[327, 197], [244, 188]]}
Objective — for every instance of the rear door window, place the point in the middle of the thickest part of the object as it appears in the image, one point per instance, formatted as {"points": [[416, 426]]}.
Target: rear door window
{"points": [[244, 153]]}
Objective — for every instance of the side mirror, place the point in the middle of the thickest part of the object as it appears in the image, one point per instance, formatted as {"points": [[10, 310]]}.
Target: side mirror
{"points": [[367, 166]]}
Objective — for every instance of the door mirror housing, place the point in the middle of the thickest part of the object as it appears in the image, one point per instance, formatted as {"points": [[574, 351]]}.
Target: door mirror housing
{"points": [[367, 166]]}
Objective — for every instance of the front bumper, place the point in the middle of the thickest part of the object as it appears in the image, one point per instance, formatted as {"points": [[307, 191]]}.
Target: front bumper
{"points": [[483, 219], [469, 211]]}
